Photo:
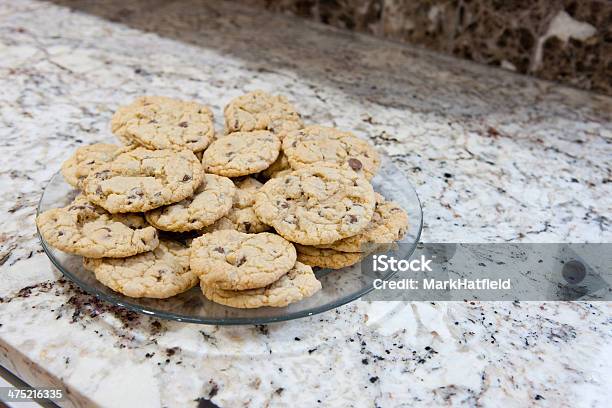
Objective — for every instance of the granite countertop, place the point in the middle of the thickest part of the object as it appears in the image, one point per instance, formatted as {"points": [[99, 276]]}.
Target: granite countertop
{"points": [[494, 157]]}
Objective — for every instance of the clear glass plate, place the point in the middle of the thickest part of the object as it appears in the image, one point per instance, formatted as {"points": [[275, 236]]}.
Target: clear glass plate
{"points": [[339, 286]]}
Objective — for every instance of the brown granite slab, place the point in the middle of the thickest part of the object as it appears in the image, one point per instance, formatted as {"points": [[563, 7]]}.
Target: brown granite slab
{"points": [[510, 34]]}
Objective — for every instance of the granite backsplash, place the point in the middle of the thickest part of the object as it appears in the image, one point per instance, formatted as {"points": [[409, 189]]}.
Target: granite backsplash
{"points": [[569, 41]]}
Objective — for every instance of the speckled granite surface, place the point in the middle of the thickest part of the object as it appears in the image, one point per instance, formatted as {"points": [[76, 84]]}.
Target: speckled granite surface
{"points": [[493, 156], [567, 40]]}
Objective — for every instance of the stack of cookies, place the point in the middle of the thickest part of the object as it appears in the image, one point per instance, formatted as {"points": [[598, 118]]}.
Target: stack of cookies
{"points": [[246, 214]]}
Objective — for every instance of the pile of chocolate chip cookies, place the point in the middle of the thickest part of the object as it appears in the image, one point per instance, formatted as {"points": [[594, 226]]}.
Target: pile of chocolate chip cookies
{"points": [[246, 214]]}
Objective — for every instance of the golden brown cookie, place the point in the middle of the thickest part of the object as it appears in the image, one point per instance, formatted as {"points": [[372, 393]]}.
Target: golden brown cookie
{"points": [[159, 274], [259, 110], [233, 260], [241, 153], [299, 283], [83, 228], [85, 159], [326, 258], [316, 205], [159, 122], [211, 201], [319, 144], [241, 217], [388, 225], [141, 180], [280, 165]]}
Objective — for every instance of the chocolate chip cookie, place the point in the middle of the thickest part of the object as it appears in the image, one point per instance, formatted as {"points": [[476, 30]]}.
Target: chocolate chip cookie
{"points": [[259, 110], [241, 217], [320, 144], [83, 228], [388, 224], [299, 283], [141, 180], [234, 260], [211, 201], [86, 158], [326, 258], [159, 122], [241, 153], [280, 165], [316, 205], [159, 274]]}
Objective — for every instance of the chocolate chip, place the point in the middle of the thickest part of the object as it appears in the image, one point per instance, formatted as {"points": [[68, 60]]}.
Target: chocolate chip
{"points": [[284, 205], [186, 177], [60, 233], [183, 124], [103, 174], [247, 226], [219, 250], [352, 219], [152, 121], [241, 261], [294, 144], [99, 190], [355, 164], [135, 193]]}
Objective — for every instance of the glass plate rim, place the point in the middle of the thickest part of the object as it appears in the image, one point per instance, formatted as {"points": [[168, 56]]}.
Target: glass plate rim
{"points": [[230, 321]]}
